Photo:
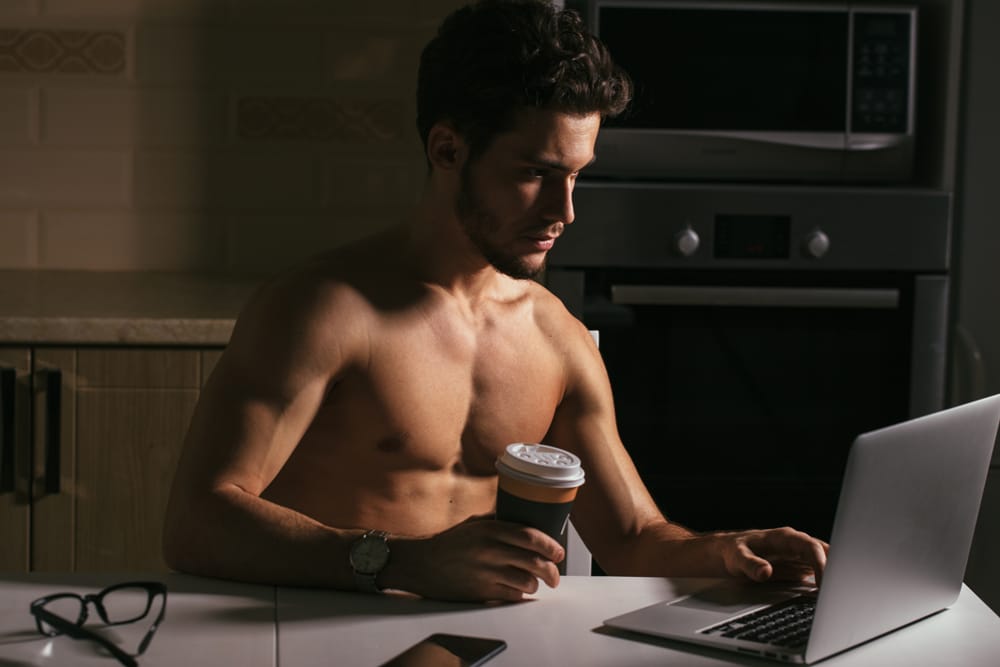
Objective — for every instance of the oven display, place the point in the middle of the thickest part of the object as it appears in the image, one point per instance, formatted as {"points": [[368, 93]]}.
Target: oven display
{"points": [[752, 236]]}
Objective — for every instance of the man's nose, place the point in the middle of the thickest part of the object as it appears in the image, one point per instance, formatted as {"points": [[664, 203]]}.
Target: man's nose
{"points": [[559, 204]]}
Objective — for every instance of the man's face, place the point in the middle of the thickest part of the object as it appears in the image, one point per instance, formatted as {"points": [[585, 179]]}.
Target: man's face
{"points": [[516, 198]]}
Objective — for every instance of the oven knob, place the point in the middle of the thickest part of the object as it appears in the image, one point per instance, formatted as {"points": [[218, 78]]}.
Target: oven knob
{"points": [[816, 243], [686, 242]]}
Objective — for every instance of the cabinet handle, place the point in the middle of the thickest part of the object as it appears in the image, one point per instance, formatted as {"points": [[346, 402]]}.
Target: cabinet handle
{"points": [[8, 385], [53, 403], [774, 297]]}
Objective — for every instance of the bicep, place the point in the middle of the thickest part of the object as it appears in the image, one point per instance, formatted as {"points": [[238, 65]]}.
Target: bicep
{"points": [[243, 431], [259, 401]]}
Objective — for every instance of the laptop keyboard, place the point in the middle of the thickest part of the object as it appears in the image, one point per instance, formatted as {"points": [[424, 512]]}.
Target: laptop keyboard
{"points": [[784, 624]]}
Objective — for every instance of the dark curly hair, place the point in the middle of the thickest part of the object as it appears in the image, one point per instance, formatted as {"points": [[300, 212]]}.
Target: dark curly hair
{"points": [[494, 57]]}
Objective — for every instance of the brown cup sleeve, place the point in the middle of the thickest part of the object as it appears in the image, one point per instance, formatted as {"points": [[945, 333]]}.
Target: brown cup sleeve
{"points": [[537, 493]]}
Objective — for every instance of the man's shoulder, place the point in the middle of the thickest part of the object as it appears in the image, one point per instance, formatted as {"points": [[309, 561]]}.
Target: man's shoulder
{"points": [[548, 307], [309, 291], [329, 295], [556, 323], [353, 276]]}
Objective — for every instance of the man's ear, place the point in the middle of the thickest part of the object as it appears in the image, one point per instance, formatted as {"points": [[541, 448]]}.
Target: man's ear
{"points": [[446, 150]]}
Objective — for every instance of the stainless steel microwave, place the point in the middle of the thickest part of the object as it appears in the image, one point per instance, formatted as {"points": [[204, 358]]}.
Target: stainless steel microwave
{"points": [[760, 92]]}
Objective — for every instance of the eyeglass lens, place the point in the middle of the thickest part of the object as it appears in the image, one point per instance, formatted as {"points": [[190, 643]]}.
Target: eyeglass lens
{"points": [[125, 604], [69, 607]]}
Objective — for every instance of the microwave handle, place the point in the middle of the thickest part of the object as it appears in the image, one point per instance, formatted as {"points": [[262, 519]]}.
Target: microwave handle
{"points": [[877, 142], [767, 297], [820, 141]]}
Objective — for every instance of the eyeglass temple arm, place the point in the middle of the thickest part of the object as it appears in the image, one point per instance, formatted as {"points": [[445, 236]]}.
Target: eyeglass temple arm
{"points": [[144, 644], [79, 632]]}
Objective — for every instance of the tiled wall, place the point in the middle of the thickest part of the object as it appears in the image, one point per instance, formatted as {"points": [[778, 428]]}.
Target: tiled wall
{"points": [[234, 135]]}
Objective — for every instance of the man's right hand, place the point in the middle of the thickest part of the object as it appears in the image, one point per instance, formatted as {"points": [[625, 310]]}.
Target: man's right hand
{"points": [[479, 559]]}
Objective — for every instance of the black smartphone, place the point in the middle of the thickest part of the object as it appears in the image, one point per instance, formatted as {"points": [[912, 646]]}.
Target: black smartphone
{"points": [[441, 650]]}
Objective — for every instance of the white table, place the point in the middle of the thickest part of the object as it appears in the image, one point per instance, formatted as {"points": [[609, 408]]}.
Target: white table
{"points": [[211, 622], [563, 627], [208, 622]]}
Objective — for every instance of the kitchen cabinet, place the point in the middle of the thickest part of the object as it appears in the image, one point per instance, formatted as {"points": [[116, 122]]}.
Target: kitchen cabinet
{"points": [[93, 438]]}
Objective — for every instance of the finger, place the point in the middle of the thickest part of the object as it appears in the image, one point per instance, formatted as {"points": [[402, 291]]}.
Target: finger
{"points": [[809, 551], [485, 592], [793, 571], [510, 583], [507, 593], [792, 552], [523, 580], [815, 553], [543, 569], [791, 542], [820, 552], [531, 539], [524, 549], [495, 582], [530, 563], [752, 565], [513, 582]]}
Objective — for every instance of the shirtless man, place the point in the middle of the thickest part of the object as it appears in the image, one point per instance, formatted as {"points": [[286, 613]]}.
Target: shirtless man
{"points": [[375, 387]]}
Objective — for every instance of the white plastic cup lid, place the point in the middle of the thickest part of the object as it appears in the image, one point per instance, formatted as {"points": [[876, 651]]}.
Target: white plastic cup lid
{"points": [[542, 463]]}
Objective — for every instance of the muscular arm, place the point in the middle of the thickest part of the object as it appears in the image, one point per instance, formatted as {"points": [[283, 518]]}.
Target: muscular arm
{"points": [[618, 519], [254, 409]]}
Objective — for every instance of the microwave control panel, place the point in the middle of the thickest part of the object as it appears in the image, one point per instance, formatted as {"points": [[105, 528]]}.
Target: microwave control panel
{"points": [[881, 72]]}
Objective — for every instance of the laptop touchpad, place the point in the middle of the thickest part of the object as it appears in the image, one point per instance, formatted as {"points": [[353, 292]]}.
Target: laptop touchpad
{"points": [[730, 598]]}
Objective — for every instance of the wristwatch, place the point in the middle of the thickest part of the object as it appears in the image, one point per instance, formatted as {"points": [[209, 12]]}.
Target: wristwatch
{"points": [[369, 554]]}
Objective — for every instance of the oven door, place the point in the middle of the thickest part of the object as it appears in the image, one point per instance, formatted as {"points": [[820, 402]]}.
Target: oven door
{"points": [[739, 395]]}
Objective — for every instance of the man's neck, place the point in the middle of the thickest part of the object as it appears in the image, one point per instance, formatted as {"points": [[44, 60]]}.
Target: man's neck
{"points": [[441, 254]]}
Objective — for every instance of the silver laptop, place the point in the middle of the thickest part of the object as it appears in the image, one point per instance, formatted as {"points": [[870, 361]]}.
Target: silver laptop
{"points": [[900, 542]]}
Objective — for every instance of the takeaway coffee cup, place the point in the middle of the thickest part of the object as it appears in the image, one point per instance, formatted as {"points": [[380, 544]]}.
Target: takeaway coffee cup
{"points": [[537, 486]]}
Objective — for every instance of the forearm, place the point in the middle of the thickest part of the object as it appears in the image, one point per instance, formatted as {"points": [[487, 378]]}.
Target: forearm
{"points": [[237, 535], [230, 533], [665, 549]]}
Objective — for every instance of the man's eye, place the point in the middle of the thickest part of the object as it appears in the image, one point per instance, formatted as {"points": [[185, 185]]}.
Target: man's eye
{"points": [[534, 172]]}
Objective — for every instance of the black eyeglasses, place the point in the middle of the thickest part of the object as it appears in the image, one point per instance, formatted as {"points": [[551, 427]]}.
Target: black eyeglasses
{"points": [[65, 613]]}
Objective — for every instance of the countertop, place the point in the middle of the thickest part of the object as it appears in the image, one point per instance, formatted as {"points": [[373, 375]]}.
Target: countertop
{"points": [[112, 308]]}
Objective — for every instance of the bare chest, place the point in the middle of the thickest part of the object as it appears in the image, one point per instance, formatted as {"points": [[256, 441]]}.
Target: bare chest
{"points": [[444, 400]]}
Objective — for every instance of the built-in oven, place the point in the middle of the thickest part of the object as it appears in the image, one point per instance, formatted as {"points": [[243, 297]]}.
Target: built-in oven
{"points": [[750, 333]]}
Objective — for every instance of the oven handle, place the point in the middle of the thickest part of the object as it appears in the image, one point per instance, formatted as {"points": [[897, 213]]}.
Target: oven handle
{"points": [[768, 297]]}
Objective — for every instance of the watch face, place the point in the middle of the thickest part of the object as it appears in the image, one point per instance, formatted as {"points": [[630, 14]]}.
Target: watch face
{"points": [[369, 554]]}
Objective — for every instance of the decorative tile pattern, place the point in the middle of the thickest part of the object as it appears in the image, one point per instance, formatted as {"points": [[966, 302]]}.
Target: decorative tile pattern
{"points": [[319, 119], [62, 51]]}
